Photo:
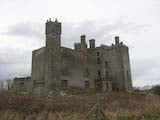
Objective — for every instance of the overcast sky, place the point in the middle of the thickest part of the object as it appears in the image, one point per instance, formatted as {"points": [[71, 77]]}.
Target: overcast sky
{"points": [[135, 21]]}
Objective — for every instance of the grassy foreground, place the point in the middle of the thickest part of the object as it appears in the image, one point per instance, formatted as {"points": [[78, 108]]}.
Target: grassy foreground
{"points": [[117, 106]]}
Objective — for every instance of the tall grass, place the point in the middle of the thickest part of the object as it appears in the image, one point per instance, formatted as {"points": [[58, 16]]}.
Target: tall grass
{"points": [[15, 106]]}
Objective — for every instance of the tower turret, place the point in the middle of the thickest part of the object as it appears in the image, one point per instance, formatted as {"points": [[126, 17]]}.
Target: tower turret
{"points": [[53, 32], [52, 54]]}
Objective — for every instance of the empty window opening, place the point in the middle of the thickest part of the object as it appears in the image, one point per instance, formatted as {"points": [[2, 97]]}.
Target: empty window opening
{"points": [[98, 53], [86, 72], [64, 54], [99, 73], [84, 58], [98, 87], [106, 74], [86, 84], [64, 84], [51, 67], [106, 63], [117, 89], [22, 87], [98, 60], [107, 86], [64, 71]]}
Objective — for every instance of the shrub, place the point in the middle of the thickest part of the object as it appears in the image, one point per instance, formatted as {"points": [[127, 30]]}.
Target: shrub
{"points": [[156, 90]]}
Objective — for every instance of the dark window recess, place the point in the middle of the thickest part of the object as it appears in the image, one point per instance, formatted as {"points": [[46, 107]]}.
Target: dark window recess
{"points": [[98, 54], [84, 58], [51, 67], [35, 84], [64, 84], [106, 63], [99, 73], [22, 87], [98, 60], [117, 89], [64, 54], [106, 74], [64, 71], [86, 72], [86, 84], [107, 86], [99, 87]]}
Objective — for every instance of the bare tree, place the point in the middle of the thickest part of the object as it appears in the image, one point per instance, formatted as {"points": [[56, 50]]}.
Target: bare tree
{"points": [[9, 84], [1, 84]]}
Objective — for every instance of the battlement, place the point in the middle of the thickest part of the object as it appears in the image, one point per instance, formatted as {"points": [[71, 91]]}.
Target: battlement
{"points": [[53, 27]]}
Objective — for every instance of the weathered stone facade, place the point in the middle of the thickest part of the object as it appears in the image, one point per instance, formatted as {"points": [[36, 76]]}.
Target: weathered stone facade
{"points": [[104, 68], [23, 84]]}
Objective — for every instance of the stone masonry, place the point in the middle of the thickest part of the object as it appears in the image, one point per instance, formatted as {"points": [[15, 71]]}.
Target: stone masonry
{"points": [[56, 68]]}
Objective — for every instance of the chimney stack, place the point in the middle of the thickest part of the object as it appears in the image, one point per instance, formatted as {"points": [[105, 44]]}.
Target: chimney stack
{"points": [[83, 43], [83, 39], [92, 43], [117, 40]]}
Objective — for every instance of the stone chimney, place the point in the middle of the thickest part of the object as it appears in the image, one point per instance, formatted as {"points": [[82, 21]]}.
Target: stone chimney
{"points": [[83, 43], [92, 43], [83, 39], [117, 40]]}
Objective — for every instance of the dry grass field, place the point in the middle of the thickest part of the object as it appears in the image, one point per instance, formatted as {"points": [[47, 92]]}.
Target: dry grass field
{"points": [[117, 106]]}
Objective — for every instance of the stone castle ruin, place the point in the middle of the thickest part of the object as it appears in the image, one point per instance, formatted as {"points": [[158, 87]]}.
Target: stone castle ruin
{"points": [[54, 67]]}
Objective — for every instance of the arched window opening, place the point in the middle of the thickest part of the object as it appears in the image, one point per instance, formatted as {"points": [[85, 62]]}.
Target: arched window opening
{"points": [[106, 74]]}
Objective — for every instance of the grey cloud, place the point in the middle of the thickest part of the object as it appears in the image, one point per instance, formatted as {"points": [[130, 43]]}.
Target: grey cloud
{"points": [[153, 74], [26, 29], [144, 68], [15, 64], [145, 72], [15, 57], [9, 71], [102, 32]]}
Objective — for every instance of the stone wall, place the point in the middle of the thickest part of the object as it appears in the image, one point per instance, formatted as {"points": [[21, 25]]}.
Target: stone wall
{"points": [[38, 64], [23, 84], [54, 67], [81, 67], [127, 69]]}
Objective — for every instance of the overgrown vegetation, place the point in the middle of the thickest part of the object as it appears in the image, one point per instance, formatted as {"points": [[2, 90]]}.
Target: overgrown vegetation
{"points": [[156, 90], [121, 106]]}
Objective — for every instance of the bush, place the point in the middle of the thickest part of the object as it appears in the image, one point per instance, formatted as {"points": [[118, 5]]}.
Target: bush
{"points": [[156, 90]]}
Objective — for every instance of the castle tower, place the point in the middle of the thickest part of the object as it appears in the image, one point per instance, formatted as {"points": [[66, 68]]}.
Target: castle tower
{"points": [[53, 34], [123, 71], [83, 44], [52, 54]]}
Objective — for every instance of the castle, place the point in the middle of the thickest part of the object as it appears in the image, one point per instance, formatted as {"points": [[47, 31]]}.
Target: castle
{"points": [[104, 68]]}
